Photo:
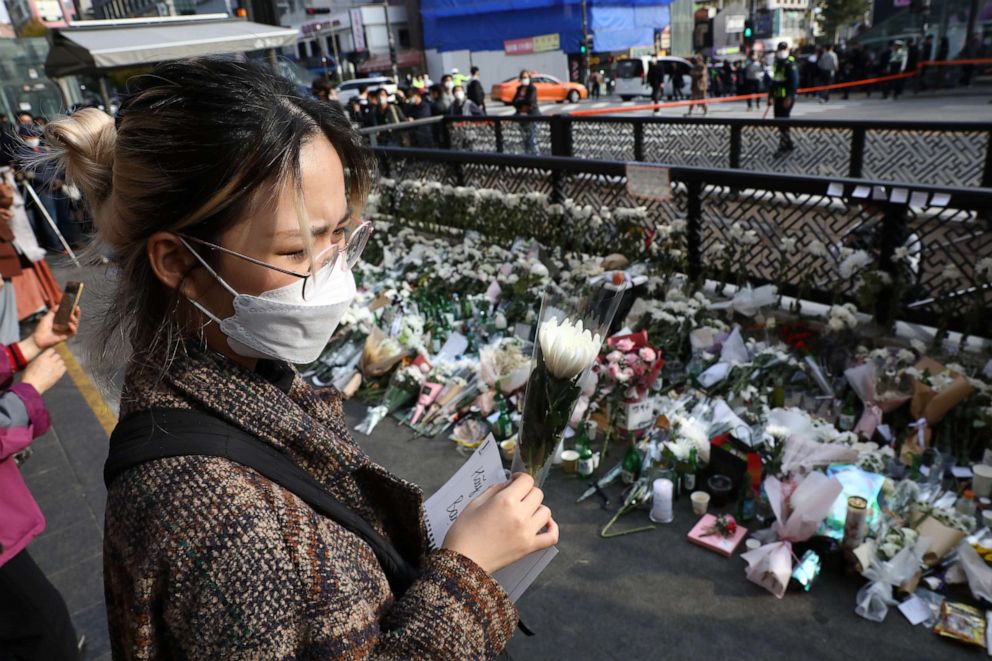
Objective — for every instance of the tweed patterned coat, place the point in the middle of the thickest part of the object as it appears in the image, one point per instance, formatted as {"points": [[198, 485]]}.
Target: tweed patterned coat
{"points": [[205, 558]]}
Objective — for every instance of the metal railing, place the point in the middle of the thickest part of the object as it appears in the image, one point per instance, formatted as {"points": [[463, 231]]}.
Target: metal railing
{"points": [[926, 243], [939, 153]]}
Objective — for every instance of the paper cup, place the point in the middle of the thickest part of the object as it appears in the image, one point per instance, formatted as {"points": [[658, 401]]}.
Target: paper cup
{"points": [[569, 461], [987, 518], [752, 544], [700, 502], [982, 484]]}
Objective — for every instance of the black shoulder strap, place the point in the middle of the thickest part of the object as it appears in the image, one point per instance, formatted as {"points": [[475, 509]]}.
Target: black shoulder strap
{"points": [[159, 433]]}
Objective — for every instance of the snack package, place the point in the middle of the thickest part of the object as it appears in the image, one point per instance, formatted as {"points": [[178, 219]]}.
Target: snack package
{"points": [[962, 623]]}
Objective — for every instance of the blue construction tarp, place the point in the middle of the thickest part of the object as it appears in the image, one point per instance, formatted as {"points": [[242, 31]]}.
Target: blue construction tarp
{"points": [[480, 25], [620, 28]]}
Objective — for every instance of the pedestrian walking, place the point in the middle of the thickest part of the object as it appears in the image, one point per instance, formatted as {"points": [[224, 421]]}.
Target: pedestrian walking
{"points": [[827, 65], [595, 82], [913, 63], [785, 83], [656, 80], [34, 619], [700, 83], [677, 81], [896, 65], [752, 78], [525, 102], [926, 56], [475, 91], [314, 551]]}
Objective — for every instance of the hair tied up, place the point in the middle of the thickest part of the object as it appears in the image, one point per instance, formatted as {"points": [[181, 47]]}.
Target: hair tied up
{"points": [[84, 143]]}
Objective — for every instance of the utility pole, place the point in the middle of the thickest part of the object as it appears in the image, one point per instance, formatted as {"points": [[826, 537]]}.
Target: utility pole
{"points": [[584, 73], [392, 43]]}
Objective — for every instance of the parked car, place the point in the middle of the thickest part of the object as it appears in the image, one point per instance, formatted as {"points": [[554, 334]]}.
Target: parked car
{"points": [[349, 88], [632, 76], [549, 88]]}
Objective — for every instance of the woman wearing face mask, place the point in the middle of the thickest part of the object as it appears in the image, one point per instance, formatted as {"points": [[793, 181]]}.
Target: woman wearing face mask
{"points": [[229, 202], [463, 106], [525, 101]]}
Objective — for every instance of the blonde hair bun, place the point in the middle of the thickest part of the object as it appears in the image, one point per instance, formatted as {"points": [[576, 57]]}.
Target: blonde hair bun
{"points": [[85, 142]]}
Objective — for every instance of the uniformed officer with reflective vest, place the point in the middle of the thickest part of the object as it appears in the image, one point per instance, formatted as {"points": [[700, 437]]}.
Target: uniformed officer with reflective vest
{"points": [[785, 82]]}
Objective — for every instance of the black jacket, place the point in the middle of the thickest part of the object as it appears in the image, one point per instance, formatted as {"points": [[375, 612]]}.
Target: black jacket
{"points": [[656, 75], [475, 92], [525, 100]]}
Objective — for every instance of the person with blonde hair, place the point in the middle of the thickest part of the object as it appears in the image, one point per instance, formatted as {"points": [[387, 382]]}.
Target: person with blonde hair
{"points": [[230, 205]]}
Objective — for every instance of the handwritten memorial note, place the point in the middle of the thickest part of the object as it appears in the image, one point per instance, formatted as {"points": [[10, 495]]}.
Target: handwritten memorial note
{"points": [[482, 470]]}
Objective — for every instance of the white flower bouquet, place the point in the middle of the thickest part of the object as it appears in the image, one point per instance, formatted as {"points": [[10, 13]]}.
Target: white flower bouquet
{"points": [[569, 336]]}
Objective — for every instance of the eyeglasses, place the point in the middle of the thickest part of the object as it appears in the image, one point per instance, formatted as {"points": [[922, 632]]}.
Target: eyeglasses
{"points": [[321, 269]]}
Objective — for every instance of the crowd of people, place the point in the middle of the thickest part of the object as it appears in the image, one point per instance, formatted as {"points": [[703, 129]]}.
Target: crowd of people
{"points": [[845, 63], [40, 214]]}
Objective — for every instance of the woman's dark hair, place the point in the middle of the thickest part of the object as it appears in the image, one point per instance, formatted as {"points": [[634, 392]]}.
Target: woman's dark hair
{"points": [[198, 145], [523, 73]]}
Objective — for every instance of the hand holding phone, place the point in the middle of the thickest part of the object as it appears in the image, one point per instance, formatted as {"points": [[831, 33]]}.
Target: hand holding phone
{"points": [[68, 306]]}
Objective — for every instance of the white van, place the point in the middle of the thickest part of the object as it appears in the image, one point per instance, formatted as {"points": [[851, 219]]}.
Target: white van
{"points": [[631, 75], [349, 88]]}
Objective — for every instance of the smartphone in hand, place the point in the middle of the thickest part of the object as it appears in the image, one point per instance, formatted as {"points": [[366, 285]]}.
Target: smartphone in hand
{"points": [[70, 301]]}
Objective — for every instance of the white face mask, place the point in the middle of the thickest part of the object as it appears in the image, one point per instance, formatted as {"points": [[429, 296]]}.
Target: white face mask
{"points": [[460, 96], [782, 54], [525, 81], [280, 324], [448, 85], [32, 142]]}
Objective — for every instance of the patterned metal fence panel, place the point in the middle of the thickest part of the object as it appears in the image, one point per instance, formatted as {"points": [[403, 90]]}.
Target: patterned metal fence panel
{"points": [[927, 157], [818, 152], [745, 227], [940, 154], [698, 145]]}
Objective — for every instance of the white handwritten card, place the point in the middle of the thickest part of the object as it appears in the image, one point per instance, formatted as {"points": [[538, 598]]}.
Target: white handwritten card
{"points": [[479, 472], [649, 182]]}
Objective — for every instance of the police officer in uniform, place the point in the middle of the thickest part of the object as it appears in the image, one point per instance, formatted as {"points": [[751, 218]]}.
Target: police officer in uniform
{"points": [[785, 82]]}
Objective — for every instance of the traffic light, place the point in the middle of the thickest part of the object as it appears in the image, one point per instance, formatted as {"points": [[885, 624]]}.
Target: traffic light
{"points": [[585, 45], [313, 11], [748, 32]]}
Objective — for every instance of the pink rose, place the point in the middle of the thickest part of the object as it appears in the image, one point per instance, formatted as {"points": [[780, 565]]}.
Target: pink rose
{"points": [[613, 371], [630, 358], [625, 345], [614, 357], [647, 354], [626, 374]]}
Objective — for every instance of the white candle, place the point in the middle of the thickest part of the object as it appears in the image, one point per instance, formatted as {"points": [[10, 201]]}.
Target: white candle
{"points": [[661, 503]]}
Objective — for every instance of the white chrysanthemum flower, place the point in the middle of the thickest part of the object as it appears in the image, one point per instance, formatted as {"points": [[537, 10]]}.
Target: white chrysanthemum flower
{"points": [[567, 348], [816, 248], [855, 263]]}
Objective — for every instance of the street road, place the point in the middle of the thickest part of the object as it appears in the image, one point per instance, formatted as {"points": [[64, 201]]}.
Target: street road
{"points": [[973, 104]]}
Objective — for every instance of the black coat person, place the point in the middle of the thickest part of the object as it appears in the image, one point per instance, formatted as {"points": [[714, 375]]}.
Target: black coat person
{"points": [[525, 101], [656, 80], [423, 136]]}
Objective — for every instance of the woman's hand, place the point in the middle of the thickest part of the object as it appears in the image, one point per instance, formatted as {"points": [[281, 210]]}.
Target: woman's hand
{"points": [[503, 525], [46, 337], [44, 371]]}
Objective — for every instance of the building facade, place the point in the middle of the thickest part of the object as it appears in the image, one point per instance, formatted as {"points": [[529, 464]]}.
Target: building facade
{"points": [[540, 35], [50, 13]]}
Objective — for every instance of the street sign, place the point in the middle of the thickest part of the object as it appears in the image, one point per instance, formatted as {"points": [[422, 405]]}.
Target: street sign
{"points": [[357, 29], [735, 24], [525, 46]]}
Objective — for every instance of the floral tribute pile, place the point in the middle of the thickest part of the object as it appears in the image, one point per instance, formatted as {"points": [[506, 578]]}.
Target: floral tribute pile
{"points": [[832, 445]]}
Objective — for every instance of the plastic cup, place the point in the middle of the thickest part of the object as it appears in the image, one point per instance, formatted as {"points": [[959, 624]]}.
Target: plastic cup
{"points": [[569, 461], [700, 502], [982, 483]]}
